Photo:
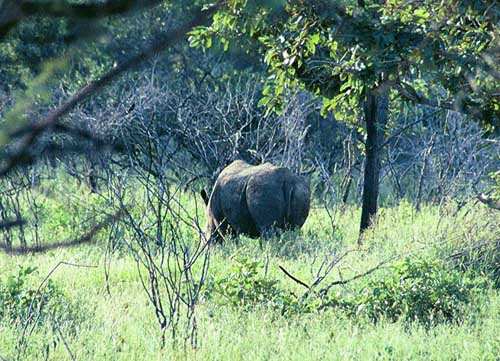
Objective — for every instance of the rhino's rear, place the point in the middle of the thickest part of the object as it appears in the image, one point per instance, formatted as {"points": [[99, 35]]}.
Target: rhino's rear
{"points": [[252, 199], [300, 202]]}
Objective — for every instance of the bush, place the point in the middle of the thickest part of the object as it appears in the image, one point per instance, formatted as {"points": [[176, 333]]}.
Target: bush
{"points": [[19, 302], [421, 290], [246, 288], [418, 290]]}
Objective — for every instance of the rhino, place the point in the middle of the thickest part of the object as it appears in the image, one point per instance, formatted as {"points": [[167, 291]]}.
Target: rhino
{"points": [[255, 200]]}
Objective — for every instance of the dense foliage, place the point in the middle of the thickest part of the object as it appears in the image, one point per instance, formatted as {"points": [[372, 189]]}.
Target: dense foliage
{"points": [[419, 290], [443, 54]]}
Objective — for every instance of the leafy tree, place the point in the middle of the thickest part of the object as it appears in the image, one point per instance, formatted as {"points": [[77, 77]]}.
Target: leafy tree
{"points": [[361, 55]]}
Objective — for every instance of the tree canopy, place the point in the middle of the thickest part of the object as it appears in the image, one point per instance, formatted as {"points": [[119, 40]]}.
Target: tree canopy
{"points": [[442, 54]]}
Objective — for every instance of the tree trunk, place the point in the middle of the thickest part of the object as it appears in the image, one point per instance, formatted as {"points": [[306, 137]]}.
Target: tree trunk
{"points": [[92, 173], [346, 191], [376, 110]]}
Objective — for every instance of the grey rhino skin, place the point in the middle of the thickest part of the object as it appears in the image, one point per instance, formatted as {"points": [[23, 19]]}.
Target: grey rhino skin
{"points": [[254, 199]]}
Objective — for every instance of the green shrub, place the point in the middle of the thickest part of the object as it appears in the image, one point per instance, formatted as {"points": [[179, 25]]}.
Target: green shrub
{"points": [[247, 289], [418, 290], [423, 291], [19, 302]]}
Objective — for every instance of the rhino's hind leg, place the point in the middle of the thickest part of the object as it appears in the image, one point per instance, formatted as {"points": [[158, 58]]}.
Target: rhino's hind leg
{"points": [[221, 231], [267, 233], [268, 218]]}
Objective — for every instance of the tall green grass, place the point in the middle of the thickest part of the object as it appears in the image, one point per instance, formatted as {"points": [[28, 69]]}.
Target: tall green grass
{"points": [[121, 325]]}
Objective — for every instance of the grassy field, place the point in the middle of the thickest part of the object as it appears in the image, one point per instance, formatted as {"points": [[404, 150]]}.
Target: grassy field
{"points": [[92, 324]]}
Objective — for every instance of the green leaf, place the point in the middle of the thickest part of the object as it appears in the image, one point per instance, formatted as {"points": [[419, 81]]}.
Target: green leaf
{"points": [[264, 101], [422, 13]]}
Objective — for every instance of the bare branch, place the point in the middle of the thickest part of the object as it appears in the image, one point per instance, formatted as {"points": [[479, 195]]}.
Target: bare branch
{"points": [[87, 238], [8, 224], [23, 156], [14, 11], [325, 290], [483, 198], [293, 277], [409, 93], [37, 293], [406, 127]]}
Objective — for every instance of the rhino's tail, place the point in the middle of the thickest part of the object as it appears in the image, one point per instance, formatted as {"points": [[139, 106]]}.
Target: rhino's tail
{"points": [[204, 195], [288, 221]]}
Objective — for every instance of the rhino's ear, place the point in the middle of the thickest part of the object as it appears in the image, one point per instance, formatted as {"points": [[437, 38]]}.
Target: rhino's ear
{"points": [[204, 195]]}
